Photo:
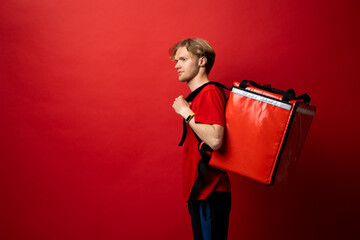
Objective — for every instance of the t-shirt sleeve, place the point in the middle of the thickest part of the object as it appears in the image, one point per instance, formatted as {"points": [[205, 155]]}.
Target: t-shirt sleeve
{"points": [[211, 108]]}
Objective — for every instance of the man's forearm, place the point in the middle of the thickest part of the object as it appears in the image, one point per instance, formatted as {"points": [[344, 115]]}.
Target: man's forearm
{"points": [[211, 134]]}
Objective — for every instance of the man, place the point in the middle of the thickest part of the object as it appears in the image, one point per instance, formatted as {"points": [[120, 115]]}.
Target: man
{"points": [[209, 208]]}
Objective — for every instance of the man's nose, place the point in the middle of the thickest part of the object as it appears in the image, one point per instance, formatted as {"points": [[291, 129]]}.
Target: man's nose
{"points": [[177, 66]]}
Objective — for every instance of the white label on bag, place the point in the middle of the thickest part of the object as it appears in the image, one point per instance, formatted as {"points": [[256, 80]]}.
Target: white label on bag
{"points": [[261, 98]]}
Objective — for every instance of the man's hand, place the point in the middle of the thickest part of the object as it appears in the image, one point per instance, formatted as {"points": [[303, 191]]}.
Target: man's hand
{"points": [[182, 107]]}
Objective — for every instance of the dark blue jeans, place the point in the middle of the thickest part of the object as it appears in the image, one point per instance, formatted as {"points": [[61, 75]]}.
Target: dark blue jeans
{"points": [[210, 217]]}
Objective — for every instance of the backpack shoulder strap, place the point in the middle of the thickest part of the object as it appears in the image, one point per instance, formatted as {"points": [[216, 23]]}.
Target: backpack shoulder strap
{"points": [[190, 97]]}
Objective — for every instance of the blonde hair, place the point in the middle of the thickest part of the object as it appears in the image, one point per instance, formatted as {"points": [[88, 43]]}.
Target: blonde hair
{"points": [[198, 47]]}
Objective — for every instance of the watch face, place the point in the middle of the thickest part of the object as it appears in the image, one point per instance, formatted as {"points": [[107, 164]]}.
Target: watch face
{"points": [[189, 117]]}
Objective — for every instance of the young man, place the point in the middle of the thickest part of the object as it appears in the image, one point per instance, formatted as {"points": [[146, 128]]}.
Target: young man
{"points": [[209, 208]]}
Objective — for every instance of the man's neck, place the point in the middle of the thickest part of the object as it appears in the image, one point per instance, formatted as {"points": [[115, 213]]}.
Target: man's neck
{"points": [[197, 82]]}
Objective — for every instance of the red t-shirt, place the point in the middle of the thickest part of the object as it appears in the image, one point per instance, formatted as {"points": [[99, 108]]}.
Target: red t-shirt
{"points": [[209, 108]]}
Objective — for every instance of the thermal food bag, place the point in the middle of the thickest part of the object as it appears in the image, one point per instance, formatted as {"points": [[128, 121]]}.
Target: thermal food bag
{"points": [[265, 132]]}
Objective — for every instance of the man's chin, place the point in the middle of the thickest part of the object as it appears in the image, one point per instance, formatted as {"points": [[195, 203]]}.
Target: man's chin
{"points": [[182, 79]]}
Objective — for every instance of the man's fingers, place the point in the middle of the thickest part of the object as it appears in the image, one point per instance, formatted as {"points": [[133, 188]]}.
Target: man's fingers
{"points": [[180, 98]]}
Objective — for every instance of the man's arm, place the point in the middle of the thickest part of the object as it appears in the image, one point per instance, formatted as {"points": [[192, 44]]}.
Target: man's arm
{"points": [[211, 134]]}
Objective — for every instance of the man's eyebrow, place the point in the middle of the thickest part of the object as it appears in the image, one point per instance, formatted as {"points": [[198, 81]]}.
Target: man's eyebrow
{"points": [[179, 58]]}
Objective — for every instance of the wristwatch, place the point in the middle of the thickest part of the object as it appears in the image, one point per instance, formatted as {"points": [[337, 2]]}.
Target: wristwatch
{"points": [[188, 119]]}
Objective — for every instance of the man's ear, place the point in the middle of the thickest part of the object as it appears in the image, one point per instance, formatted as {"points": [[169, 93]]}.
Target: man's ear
{"points": [[202, 61]]}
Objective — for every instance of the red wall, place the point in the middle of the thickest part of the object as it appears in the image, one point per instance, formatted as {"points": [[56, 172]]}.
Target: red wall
{"points": [[89, 138]]}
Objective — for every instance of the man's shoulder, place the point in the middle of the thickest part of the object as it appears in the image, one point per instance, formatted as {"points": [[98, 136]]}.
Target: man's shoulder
{"points": [[212, 88], [209, 93]]}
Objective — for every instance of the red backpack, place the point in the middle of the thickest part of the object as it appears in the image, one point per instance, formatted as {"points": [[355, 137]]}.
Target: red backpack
{"points": [[265, 133]]}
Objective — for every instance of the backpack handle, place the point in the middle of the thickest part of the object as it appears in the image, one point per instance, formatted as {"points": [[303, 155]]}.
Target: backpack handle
{"points": [[287, 95]]}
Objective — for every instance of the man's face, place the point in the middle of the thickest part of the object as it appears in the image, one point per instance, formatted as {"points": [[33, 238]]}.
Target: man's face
{"points": [[187, 65]]}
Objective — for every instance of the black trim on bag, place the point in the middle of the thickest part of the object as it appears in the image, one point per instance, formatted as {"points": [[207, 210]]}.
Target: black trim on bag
{"points": [[283, 143], [287, 95]]}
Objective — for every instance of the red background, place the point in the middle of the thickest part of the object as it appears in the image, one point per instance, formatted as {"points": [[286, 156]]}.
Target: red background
{"points": [[89, 138]]}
